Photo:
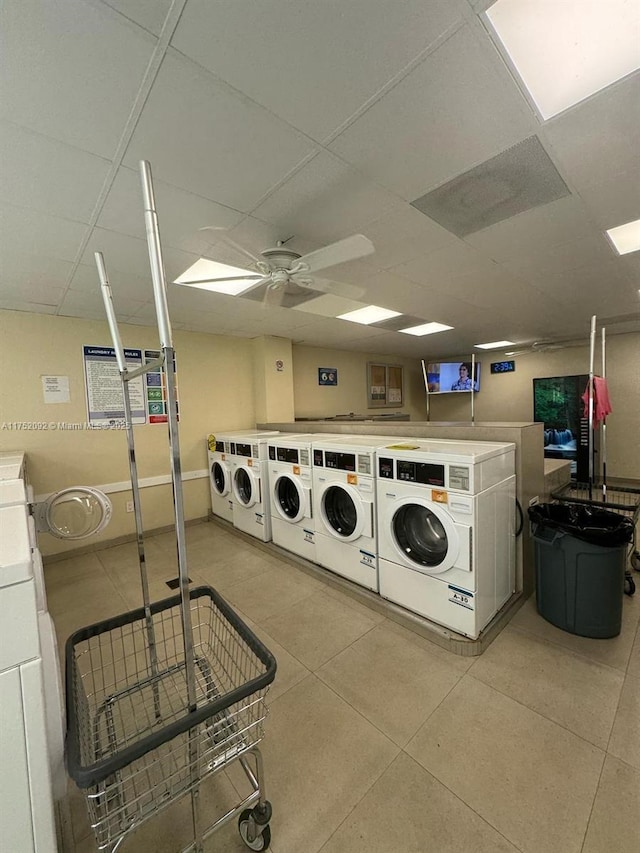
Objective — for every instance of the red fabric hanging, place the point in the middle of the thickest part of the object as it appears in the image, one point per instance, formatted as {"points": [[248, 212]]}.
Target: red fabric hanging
{"points": [[601, 402]]}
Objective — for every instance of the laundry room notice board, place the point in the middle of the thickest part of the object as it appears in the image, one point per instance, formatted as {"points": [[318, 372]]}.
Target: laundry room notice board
{"points": [[103, 385]]}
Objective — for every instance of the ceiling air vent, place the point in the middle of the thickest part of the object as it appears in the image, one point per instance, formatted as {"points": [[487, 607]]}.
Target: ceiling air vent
{"points": [[518, 179]]}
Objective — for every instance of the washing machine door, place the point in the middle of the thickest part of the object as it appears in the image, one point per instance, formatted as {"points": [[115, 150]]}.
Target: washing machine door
{"points": [[75, 513], [291, 498], [424, 535], [346, 515], [246, 486], [221, 477]]}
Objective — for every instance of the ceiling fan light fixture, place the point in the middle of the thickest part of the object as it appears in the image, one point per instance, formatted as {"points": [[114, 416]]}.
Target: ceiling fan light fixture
{"points": [[426, 329], [566, 52], [625, 238], [369, 314], [197, 274], [495, 345]]}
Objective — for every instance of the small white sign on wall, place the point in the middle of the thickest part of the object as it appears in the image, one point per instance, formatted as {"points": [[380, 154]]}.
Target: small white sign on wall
{"points": [[55, 389]]}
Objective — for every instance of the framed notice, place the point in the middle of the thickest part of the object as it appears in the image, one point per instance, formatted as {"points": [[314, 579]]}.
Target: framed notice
{"points": [[156, 390], [105, 400]]}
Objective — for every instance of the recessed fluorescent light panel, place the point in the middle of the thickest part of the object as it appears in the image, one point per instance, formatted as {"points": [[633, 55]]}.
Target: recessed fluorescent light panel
{"points": [[368, 315], [426, 329], [625, 238], [567, 50], [495, 345], [204, 270]]}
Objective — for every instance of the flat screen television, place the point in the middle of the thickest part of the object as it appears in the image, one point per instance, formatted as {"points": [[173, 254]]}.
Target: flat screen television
{"points": [[557, 404], [452, 377]]}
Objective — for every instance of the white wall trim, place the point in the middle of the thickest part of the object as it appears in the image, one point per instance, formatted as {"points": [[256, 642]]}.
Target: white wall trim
{"points": [[144, 483]]}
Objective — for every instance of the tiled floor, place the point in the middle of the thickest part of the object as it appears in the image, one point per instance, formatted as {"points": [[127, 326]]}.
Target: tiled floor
{"points": [[380, 741]]}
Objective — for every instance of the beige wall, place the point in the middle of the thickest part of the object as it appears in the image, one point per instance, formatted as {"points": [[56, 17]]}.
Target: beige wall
{"points": [[215, 391], [509, 397], [350, 394], [273, 379]]}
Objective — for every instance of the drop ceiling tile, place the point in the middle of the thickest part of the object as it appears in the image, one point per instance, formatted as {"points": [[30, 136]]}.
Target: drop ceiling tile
{"points": [[85, 280], [48, 176], [329, 305], [10, 304], [34, 278], [279, 53], [131, 255], [81, 303], [615, 200], [535, 230], [451, 113], [71, 71], [29, 231], [150, 14], [439, 267], [402, 235], [595, 249], [203, 138], [180, 214], [326, 200], [599, 137]]}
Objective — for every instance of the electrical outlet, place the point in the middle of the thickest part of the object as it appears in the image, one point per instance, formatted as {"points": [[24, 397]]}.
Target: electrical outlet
{"points": [[129, 506]]}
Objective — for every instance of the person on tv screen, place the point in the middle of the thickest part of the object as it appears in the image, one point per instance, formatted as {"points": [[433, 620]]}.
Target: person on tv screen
{"points": [[464, 382]]}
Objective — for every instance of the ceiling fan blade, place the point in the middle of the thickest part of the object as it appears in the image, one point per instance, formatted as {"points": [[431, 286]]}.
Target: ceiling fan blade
{"points": [[349, 249], [260, 281], [337, 288]]}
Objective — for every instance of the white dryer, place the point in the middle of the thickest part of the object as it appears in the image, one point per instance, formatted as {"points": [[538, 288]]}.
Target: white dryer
{"points": [[446, 520], [220, 448], [250, 485], [344, 501], [291, 482]]}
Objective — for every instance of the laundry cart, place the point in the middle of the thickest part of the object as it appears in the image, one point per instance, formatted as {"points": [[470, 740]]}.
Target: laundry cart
{"points": [[161, 698]]}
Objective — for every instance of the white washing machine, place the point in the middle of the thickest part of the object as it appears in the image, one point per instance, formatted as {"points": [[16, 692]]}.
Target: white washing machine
{"points": [[344, 500], [219, 452], [446, 520], [291, 482]]}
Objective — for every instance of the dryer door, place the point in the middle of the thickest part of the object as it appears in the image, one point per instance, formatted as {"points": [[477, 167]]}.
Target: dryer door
{"points": [[425, 537], [345, 513], [74, 513], [246, 486], [291, 498], [221, 477]]}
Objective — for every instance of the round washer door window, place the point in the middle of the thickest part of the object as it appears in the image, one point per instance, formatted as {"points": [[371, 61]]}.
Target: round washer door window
{"points": [[420, 535], [340, 511], [243, 486], [219, 478], [287, 498], [76, 513]]}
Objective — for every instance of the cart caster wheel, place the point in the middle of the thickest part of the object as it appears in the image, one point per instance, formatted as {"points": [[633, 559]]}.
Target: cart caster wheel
{"points": [[629, 584], [260, 842]]}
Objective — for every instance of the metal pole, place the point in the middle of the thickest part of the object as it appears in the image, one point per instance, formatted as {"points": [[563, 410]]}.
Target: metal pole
{"points": [[426, 388], [603, 447], [155, 255], [592, 347], [125, 376], [473, 393]]}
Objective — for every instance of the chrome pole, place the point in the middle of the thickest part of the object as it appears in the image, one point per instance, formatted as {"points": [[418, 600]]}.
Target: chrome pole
{"points": [[164, 328], [125, 376], [592, 348], [426, 388], [603, 447], [473, 393]]}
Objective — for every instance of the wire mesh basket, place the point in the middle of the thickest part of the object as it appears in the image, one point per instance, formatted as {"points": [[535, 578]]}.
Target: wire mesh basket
{"points": [[133, 743]]}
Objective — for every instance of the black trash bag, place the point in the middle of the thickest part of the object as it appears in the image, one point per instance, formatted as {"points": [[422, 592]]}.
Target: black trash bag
{"points": [[590, 524]]}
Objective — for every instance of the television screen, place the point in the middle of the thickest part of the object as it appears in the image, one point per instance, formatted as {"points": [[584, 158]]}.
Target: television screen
{"points": [[557, 403], [446, 377]]}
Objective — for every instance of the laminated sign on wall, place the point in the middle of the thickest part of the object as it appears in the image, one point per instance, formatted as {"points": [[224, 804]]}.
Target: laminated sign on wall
{"points": [[105, 403], [156, 390]]}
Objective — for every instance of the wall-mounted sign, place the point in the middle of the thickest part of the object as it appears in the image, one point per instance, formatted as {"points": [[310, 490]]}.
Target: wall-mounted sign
{"points": [[327, 376], [503, 366], [55, 389], [105, 403]]}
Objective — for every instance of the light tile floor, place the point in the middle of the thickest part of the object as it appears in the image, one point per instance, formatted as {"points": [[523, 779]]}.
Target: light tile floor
{"points": [[379, 741]]}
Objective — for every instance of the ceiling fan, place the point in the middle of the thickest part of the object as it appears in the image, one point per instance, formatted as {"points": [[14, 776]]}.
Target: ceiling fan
{"points": [[284, 271]]}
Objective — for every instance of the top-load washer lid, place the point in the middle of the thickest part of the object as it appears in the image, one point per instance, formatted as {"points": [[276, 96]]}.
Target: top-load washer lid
{"points": [[12, 493], [75, 513]]}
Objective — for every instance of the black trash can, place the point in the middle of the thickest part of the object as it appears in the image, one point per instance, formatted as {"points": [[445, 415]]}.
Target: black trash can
{"points": [[580, 558]]}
